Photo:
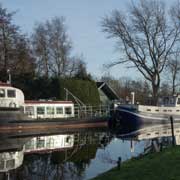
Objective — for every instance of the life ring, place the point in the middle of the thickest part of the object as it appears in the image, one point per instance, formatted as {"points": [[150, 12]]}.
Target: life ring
{"points": [[12, 104]]}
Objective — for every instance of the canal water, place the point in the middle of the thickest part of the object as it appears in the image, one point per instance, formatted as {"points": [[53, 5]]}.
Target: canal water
{"points": [[80, 154]]}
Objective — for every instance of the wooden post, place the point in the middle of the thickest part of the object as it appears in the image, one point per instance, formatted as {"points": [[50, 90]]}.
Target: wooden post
{"points": [[119, 163], [172, 131]]}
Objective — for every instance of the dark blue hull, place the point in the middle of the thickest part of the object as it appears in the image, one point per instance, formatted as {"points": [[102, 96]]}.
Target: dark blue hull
{"points": [[128, 119]]}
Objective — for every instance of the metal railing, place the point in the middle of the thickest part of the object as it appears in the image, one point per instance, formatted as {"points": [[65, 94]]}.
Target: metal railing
{"points": [[91, 111]]}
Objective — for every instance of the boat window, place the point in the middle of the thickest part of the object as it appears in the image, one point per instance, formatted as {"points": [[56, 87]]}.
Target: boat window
{"points": [[50, 110], [178, 102], [68, 139], [148, 109], [29, 145], [172, 100], [40, 142], [59, 110], [2, 93], [10, 163], [11, 93], [68, 110], [157, 110], [40, 110], [1, 164], [29, 110], [50, 143], [166, 101]]}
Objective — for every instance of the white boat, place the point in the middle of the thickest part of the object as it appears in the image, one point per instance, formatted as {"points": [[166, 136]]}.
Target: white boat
{"points": [[13, 107], [132, 117], [43, 144], [10, 97], [49, 143], [49, 109], [11, 160]]}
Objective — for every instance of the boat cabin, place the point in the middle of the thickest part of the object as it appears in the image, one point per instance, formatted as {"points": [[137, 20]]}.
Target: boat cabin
{"points": [[170, 101], [49, 143], [166, 105], [49, 109], [11, 160], [10, 96]]}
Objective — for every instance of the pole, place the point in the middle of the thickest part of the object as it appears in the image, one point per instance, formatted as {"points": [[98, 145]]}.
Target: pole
{"points": [[66, 94], [133, 97], [9, 76], [172, 130]]}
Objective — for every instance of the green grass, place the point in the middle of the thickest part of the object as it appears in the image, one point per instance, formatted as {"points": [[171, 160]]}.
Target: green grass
{"points": [[164, 165]]}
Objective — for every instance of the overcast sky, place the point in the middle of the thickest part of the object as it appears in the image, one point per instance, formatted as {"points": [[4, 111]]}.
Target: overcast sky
{"points": [[83, 19]]}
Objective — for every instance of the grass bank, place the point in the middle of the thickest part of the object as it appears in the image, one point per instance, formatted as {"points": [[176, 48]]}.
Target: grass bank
{"points": [[164, 165]]}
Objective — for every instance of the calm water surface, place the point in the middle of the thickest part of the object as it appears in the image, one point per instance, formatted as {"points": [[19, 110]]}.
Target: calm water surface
{"points": [[67, 155]]}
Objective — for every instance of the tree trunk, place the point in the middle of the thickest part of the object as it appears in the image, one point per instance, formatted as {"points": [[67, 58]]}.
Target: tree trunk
{"points": [[173, 83], [155, 89]]}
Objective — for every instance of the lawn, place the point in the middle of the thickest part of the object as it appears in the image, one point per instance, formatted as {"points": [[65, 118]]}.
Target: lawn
{"points": [[164, 165]]}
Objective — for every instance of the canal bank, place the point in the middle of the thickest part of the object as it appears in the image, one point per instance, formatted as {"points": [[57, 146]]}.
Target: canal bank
{"points": [[163, 165]]}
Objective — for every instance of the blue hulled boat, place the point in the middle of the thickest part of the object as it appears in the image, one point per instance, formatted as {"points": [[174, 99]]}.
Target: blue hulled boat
{"points": [[133, 117]]}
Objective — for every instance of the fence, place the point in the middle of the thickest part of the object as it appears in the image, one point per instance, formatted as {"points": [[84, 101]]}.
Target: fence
{"points": [[91, 111]]}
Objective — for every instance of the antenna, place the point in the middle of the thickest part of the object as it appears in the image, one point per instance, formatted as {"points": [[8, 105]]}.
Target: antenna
{"points": [[9, 75]]}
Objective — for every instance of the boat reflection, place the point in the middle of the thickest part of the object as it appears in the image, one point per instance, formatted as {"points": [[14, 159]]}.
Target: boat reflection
{"points": [[49, 143], [152, 132], [11, 160], [58, 149]]}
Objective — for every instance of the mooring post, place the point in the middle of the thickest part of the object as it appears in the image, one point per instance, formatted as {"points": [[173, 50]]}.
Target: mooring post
{"points": [[172, 130], [119, 163]]}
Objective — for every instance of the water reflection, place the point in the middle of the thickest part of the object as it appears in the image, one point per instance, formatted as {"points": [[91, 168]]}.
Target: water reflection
{"points": [[74, 155], [152, 132]]}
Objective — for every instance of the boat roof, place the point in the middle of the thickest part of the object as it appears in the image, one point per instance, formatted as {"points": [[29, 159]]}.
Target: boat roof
{"points": [[47, 102], [5, 84]]}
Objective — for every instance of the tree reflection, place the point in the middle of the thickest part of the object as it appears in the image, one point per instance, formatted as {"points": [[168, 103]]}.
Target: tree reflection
{"points": [[66, 163]]}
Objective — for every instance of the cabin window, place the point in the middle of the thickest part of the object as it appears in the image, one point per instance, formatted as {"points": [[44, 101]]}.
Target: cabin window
{"points": [[59, 110], [178, 102], [157, 110], [10, 163], [11, 93], [40, 110], [2, 93], [50, 143], [165, 110], [68, 139], [29, 110], [29, 145], [50, 110], [40, 143], [68, 110], [172, 101], [1, 164]]}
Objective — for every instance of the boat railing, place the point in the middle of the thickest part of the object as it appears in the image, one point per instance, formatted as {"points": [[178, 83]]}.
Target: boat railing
{"points": [[91, 111]]}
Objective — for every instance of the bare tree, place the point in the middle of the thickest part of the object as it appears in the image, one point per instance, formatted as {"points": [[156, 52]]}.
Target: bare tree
{"points": [[15, 51], [52, 46], [146, 36], [40, 46], [23, 61], [8, 34], [173, 67]]}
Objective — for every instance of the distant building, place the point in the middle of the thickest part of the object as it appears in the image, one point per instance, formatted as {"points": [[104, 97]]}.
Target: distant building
{"points": [[107, 94]]}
